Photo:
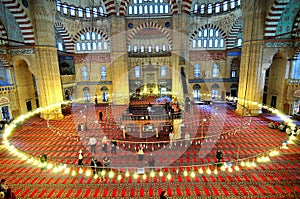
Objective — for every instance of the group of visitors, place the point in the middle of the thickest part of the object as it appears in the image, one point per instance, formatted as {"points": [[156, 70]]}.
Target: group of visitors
{"points": [[283, 127]]}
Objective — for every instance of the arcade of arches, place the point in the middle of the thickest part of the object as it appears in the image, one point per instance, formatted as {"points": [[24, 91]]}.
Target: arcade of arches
{"points": [[245, 52]]}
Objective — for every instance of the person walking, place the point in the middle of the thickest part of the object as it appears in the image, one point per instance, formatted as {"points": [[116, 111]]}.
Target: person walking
{"points": [[114, 147], [93, 142], [80, 157]]}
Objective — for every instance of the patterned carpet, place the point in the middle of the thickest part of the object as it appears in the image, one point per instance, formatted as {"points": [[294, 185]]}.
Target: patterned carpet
{"points": [[239, 138]]}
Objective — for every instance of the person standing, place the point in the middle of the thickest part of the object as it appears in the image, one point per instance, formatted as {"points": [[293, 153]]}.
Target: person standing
{"points": [[151, 161], [114, 147], [93, 142], [96, 100], [80, 157], [100, 115], [104, 144]]}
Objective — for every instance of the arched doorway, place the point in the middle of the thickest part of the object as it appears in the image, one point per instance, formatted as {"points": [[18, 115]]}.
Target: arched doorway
{"points": [[275, 81], [233, 90], [196, 91], [296, 105], [27, 84], [104, 94]]}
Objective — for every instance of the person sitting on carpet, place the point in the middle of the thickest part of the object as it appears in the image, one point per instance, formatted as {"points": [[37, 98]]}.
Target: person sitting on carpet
{"points": [[272, 125], [163, 195]]}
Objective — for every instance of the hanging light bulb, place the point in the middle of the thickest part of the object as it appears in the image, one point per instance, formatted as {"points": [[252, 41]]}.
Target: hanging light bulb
{"points": [[169, 176], [185, 173], [103, 172], [215, 171], [237, 168], [208, 171], [161, 173], [201, 170], [135, 175], [73, 173], [223, 168], [242, 163], [111, 174], [144, 176], [88, 172], [96, 176], [80, 170], [119, 177], [152, 173], [230, 169], [193, 174], [127, 174]]}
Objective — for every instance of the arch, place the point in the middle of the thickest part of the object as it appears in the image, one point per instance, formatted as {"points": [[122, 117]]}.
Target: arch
{"points": [[234, 86], [208, 26], [104, 88], [215, 86], [297, 94], [4, 100], [196, 87], [3, 30], [90, 29], [274, 16], [65, 35], [233, 32], [22, 19], [124, 4], [149, 25], [3, 58]]}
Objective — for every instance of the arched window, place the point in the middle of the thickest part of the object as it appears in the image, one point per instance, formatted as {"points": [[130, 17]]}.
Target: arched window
{"points": [[196, 91], [194, 45], [163, 71], [84, 73], [65, 9], [151, 9], [164, 48], [167, 9], [239, 42], [140, 9], [135, 9], [59, 46], [218, 7], [95, 12], [78, 46], [156, 9], [80, 12], [215, 70], [161, 8], [137, 72], [129, 48], [130, 10], [225, 5], [86, 94], [135, 48], [202, 9], [232, 4], [149, 49], [197, 71], [142, 48], [238, 2], [221, 43], [58, 4], [196, 6], [296, 68], [215, 91], [103, 72], [72, 11], [88, 12], [157, 48], [146, 9], [209, 8], [104, 91], [101, 10]]}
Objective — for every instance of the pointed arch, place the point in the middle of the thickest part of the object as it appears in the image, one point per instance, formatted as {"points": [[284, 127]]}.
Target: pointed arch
{"points": [[3, 58], [274, 16], [90, 29], [208, 26], [22, 19], [65, 35], [233, 33], [150, 25]]}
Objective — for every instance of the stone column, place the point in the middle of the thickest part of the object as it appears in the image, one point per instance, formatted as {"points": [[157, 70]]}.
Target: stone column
{"points": [[251, 68], [180, 54], [119, 59], [46, 67]]}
